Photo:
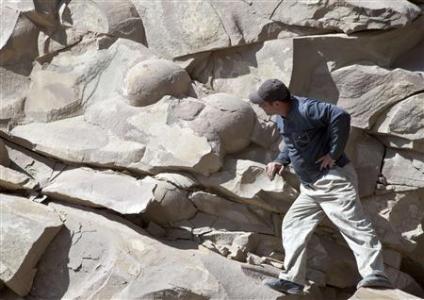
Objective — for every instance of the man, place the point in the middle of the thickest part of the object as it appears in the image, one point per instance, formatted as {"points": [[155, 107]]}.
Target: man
{"points": [[315, 134]]}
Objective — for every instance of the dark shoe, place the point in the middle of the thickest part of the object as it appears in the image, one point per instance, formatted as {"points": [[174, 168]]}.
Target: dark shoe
{"points": [[284, 286], [375, 280]]}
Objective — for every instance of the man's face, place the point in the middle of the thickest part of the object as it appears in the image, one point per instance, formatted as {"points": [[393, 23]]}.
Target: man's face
{"points": [[271, 108]]}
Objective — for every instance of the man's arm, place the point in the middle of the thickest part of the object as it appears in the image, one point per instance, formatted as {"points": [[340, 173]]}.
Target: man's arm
{"points": [[338, 122], [283, 157]]}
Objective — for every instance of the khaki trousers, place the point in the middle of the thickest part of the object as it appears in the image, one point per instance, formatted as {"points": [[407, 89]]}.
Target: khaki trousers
{"points": [[335, 195]]}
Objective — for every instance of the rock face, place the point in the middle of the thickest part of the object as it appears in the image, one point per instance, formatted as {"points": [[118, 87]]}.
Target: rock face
{"points": [[129, 123], [27, 230], [132, 264]]}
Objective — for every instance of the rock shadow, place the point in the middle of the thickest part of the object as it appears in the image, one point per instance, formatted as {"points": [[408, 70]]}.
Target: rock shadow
{"points": [[52, 278]]}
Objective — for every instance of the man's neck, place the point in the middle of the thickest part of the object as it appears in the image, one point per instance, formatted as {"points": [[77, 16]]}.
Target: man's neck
{"points": [[285, 111]]}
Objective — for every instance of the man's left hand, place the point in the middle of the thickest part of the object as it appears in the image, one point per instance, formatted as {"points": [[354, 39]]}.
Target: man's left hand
{"points": [[326, 162]]}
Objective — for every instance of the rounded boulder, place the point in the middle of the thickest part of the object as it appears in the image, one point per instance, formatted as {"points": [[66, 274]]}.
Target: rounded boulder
{"points": [[148, 81], [229, 118]]}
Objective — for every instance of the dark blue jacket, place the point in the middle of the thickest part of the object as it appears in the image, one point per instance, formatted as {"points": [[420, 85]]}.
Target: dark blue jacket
{"points": [[311, 130]]}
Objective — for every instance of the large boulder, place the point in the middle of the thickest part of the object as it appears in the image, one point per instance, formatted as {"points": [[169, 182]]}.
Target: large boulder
{"points": [[148, 81], [27, 230], [170, 204], [226, 119], [366, 100]]}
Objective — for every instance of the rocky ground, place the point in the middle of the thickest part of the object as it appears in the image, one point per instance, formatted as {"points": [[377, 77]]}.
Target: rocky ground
{"points": [[132, 165]]}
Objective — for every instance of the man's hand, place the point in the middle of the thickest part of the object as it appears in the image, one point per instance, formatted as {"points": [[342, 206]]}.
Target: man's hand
{"points": [[273, 168], [326, 162]]}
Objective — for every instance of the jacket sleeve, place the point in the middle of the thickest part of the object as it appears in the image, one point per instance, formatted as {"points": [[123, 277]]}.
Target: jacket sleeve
{"points": [[336, 119], [283, 157]]}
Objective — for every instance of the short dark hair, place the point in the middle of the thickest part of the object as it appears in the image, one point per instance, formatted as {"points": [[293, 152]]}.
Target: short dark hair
{"points": [[271, 90]]}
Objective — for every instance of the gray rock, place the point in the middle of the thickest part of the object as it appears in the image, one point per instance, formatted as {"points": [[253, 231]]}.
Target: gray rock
{"points": [[14, 87], [118, 192], [90, 144], [366, 154], [170, 31], [233, 216], [99, 16], [27, 230], [404, 282], [348, 16], [148, 81], [18, 39], [404, 120], [163, 141], [246, 181], [376, 294], [227, 119], [366, 99], [42, 13], [39, 168], [107, 257], [315, 79], [241, 70], [170, 204], [404, 168], [13, 180]]}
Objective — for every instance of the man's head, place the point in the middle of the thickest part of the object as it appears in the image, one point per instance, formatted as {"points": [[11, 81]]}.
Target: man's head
{"points": [[273, 97]]}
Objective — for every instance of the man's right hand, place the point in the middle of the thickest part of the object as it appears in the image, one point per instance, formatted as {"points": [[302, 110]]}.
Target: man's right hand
{"points": [[273, 168]]}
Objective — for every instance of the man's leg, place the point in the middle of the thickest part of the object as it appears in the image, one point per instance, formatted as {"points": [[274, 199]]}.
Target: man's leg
{"points": [[338, 196], [297, 228]]}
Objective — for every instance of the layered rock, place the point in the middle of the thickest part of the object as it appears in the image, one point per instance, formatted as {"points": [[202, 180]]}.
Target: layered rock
{"points": [[348, 16], [118, 192], [366, 91], [132, 264]]}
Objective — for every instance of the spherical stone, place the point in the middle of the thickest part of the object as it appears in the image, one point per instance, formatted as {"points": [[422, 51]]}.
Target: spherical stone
{"points": [[150, 80], [229, 117]]}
